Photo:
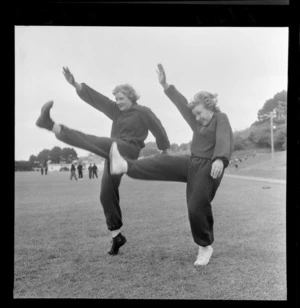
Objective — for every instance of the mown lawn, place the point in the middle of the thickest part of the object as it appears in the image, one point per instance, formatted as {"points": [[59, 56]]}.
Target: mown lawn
{"points": [[61, 241], [262, 166]]}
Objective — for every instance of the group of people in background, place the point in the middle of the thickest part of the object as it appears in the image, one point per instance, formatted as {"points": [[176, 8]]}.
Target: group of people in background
{"points": [[235, 161], [44, 168], [92, 169]]}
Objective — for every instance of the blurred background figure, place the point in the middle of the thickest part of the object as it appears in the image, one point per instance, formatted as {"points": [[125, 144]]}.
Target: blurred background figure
{"points": [[90, 168], [79, 169], [95, 170], [73, 172]]}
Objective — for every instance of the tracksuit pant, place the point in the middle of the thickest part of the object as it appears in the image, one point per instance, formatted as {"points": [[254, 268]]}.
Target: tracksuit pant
{"points": [[109, 194], [200, 189], [73, 175]]}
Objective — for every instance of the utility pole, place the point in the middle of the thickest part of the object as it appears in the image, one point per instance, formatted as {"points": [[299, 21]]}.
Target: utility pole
{"points": [[272, 113], [281, 109]]}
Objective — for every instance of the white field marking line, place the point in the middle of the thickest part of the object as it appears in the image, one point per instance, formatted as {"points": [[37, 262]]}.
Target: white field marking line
{"points": [[258, 179]]}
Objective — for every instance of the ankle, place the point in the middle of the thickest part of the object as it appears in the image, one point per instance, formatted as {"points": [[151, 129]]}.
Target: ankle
{"points": [[114, 233], [125, 168], [56, 128], [204, 248]]}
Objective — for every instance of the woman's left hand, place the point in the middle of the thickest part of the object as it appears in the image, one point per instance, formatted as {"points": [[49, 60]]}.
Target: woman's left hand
{"points": [[217, 168]]}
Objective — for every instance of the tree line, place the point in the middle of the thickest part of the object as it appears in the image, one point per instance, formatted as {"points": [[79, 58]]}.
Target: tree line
{"points": [[258, 135], [56, 155]]}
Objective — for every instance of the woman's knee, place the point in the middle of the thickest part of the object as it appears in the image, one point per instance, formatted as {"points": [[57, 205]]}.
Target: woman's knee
{"points": [[201, 216], [199, 205], [107, 193], [110, 188]]}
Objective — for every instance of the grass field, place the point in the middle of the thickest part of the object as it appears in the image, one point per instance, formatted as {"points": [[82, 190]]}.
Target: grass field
{"points": [[61, 241], [262, 166]]}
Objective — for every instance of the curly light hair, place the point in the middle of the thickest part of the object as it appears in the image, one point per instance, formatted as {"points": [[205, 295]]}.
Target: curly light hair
{"points": [[127, 90], [207, 99]]}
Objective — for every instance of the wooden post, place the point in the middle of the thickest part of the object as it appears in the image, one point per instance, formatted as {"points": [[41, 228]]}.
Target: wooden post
{"points": [[272, 138]]}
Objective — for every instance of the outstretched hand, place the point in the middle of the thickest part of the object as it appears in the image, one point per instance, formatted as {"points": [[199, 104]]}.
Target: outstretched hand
{"points": [[161, 76], [217, 168], [69, 76]]}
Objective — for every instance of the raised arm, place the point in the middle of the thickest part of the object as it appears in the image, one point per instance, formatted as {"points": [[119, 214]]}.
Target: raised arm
{"points": [[156, 128], [176, 97], [70, 79], [92, 97]]}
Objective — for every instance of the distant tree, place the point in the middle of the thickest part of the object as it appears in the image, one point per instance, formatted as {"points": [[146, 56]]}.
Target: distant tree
{"points": [[149, 149], [279, 101], [43, 156], [239, 143], [280, 139], [248, 144], [68, 155], [149, 152], [185, 147], [241, 140], [174, 148], [33, 160], [55, 155], [260, 137], [23, 165]]}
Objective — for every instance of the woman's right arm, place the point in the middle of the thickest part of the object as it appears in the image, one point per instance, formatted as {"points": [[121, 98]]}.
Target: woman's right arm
{"points": [[176, 97], [92, 97]]}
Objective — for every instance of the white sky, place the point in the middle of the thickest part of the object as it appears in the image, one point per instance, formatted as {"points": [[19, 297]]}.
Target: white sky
{"points": [[245, 66]]}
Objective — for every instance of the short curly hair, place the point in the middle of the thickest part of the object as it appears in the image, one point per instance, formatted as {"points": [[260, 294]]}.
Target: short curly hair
{"points": [[127, 90], [207, 99]]}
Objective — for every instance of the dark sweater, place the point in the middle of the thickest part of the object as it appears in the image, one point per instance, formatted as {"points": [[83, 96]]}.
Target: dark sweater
{"points": [[212, 141], [132, 125]]}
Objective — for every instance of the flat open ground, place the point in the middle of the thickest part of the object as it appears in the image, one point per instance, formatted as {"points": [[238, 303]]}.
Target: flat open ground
{"points": [[61, 241]]}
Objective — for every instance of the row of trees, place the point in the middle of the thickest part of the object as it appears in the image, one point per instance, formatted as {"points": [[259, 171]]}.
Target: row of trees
{"points": [[56, 155], [258, 135], [151, 149]]}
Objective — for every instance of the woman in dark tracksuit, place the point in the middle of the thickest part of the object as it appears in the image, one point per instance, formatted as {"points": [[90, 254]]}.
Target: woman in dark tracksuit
{"points": [[211, 149], [130, 127]]}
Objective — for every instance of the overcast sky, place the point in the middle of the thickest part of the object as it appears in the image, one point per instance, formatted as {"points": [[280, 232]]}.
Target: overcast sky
{"points": [[245, 66]]}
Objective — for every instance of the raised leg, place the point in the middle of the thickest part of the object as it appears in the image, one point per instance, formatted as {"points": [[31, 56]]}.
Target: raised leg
{"points": [[159, 168], [97, 145]]}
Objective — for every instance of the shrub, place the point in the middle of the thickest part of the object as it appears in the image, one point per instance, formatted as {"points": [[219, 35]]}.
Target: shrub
{"points": [[23, 165]]}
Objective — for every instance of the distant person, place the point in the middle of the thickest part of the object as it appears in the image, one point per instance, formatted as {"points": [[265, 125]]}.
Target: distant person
{"points": [[211, 150], [73, 172], [42, 170], [79, 169], [90, 168], [45, 167], [131, 124], [236, 164], [95, 170]]}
